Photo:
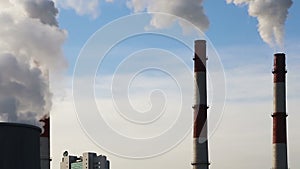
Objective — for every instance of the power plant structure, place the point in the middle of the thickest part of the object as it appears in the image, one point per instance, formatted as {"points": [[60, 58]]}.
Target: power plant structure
{"points": [[45, 143], [20, 146], [280, 160], [45, 135], [27, 146], [200, 140]]}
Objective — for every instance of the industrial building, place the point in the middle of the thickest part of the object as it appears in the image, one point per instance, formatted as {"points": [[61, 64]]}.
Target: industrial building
{"points": [[30, 146], [88, 160], [20, 146]]}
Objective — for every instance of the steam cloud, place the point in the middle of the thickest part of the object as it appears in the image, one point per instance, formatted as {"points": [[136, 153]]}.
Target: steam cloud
{"points": [[271, 16], [30, 45], [191, 10]]}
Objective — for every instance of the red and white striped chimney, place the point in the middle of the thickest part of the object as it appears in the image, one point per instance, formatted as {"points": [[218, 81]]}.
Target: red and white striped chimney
{"points": [[279, 115], [200, 141], [45, 144]]}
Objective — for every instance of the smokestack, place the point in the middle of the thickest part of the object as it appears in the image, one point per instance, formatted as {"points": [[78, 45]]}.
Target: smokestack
{"points": [[200, 140], [45, 143], [279, 115], [45, 135]]}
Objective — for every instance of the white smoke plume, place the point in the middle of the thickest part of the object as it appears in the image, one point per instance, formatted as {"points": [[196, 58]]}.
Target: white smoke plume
{"points": [[191, 10], [30, 46], [271, 16]]}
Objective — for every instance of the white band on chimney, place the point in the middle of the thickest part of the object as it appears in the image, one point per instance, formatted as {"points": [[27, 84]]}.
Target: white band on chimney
{"points": [[279, 97], [279, 156]]}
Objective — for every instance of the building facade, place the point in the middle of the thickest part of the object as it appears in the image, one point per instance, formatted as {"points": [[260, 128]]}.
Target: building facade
{"points": [[86, 161]]}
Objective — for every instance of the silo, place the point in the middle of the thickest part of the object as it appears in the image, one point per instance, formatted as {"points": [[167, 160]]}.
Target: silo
{"points": [[19, 146]]}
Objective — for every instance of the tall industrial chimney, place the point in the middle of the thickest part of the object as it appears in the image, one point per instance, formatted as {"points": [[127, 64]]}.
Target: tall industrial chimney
{"points": [[200, 140], [45, 144], [279, 115]]}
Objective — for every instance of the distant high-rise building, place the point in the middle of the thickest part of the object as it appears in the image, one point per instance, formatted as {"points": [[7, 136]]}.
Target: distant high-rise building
{"points": [[86, 161]]}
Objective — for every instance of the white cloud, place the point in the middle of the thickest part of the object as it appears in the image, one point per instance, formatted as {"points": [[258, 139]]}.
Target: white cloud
{"points": [[191, 10], [81, 7]]}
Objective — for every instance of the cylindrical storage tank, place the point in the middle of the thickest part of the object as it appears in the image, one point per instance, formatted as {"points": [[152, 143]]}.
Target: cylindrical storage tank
{"points": [[19, 146]]}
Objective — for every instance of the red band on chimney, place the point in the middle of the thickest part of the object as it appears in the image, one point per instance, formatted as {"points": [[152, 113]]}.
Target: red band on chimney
{"points": [[279, 127], [199, 65], [46, 121], [279, 68]]}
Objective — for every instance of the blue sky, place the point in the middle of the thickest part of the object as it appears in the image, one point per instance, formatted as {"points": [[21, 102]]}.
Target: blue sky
{"points": [[247, 63], [229, 26]]}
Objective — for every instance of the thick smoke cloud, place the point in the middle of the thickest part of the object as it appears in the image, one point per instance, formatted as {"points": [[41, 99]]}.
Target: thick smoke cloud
{"points": [[271, 16], [43, 10], [191, 10], [23, 91], [30, 46]]}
